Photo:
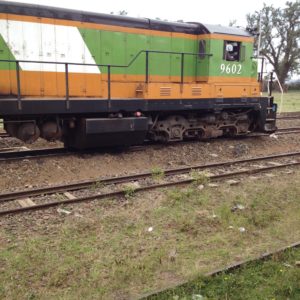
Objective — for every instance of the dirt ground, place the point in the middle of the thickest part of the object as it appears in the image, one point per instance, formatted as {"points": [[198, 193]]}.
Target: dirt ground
{"points": [[58, 170]]}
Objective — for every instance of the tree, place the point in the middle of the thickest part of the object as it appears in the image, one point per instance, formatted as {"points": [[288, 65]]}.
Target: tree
{"points": [[280, 37], [120, 13], [232, 23], [123, 13]]}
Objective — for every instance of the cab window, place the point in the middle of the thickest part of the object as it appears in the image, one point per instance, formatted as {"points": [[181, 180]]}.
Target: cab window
{"points": [[232, 51]]}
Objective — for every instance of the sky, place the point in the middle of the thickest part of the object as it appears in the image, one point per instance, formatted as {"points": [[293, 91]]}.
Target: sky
{"points": [[209, 12]]}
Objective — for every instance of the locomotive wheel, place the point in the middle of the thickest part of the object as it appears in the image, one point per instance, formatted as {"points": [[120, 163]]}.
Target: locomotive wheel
{"points": [[50, 131], [11, 129], [171, 129], [28, 133]]}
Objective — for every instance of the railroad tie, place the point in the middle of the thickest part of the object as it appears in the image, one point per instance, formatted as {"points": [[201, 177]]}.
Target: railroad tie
{"points": [[26, 202], [69, 196]]}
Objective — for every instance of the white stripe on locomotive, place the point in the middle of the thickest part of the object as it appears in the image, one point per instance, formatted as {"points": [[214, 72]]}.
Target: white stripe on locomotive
{"points": [[47, 42]]}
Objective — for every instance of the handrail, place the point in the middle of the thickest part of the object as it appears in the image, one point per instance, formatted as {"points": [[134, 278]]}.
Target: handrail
{"points": [[104, 65], [109, 67], [260, 77]]}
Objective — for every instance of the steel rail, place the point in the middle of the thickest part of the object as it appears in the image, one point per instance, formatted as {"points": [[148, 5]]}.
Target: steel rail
{"points": [[49, 152], [279, 131], [34, 153], [288, 128], [12, 149], [140, 189], [227, 269], [4, 135], [288, 118], [288, 132]]}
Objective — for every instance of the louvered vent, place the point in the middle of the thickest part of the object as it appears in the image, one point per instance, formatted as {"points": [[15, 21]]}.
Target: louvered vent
{"points": [[165, 91], [196, 91]]}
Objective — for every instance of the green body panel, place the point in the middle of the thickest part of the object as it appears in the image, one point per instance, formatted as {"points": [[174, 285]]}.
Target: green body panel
{"points": [[6, 54], [118, 48]]}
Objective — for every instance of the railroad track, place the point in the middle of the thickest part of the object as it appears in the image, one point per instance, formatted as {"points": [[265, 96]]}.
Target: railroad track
{"points": [[4, 135], [13, 149], [228, 269], [279, 131], [17, 153], [288, 129], [20, 154], [288, 118], [46, 197]]}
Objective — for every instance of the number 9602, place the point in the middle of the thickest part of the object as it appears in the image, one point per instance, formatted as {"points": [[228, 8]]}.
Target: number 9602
{"points": [[231, 69]]}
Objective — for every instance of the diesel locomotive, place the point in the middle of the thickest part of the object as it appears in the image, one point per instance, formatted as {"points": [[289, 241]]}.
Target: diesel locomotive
{"points": [[93, 80]]}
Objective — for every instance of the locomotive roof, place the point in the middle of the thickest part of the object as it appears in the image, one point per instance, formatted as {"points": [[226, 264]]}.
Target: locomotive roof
{"points": [[227, 30], [99, 18]]}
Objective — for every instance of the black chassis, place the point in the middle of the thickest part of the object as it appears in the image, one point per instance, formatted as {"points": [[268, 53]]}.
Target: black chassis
{"points": [[94, 111], [35, 107]]}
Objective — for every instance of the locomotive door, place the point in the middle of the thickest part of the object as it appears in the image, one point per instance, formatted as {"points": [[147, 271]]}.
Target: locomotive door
{"points": [[175, 66], [202, 60]]}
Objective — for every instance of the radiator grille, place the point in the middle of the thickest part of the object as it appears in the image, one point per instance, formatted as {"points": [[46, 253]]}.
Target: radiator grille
{"points": [[196, 91], [165, 91]]}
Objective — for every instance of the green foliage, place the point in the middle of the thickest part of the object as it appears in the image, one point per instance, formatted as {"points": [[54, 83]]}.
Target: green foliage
{"points": [[199, 177], [280, 37], [294, 85], [225, 213], [276, 278], [291, 101], [179, 196], [98, 185], [129, 191], [157, 173]]}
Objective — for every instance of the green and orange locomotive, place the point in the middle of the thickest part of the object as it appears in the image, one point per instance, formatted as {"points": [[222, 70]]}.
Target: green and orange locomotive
{"points": [[95, 80]]}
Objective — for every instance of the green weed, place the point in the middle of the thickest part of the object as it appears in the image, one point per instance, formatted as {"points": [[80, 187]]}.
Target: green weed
{"points": [[199, 177], [157, 173], [98, 185], [129, 191]]}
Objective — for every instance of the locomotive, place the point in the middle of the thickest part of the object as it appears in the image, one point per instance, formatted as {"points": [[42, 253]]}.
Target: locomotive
{"points": [[93, 80]]}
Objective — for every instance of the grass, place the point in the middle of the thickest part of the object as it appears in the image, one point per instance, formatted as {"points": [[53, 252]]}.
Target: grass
{"points": [[275, 278], [110, 253], [97, 185], [291, 101], [129, 191], [201, 178], [157, 173]]}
